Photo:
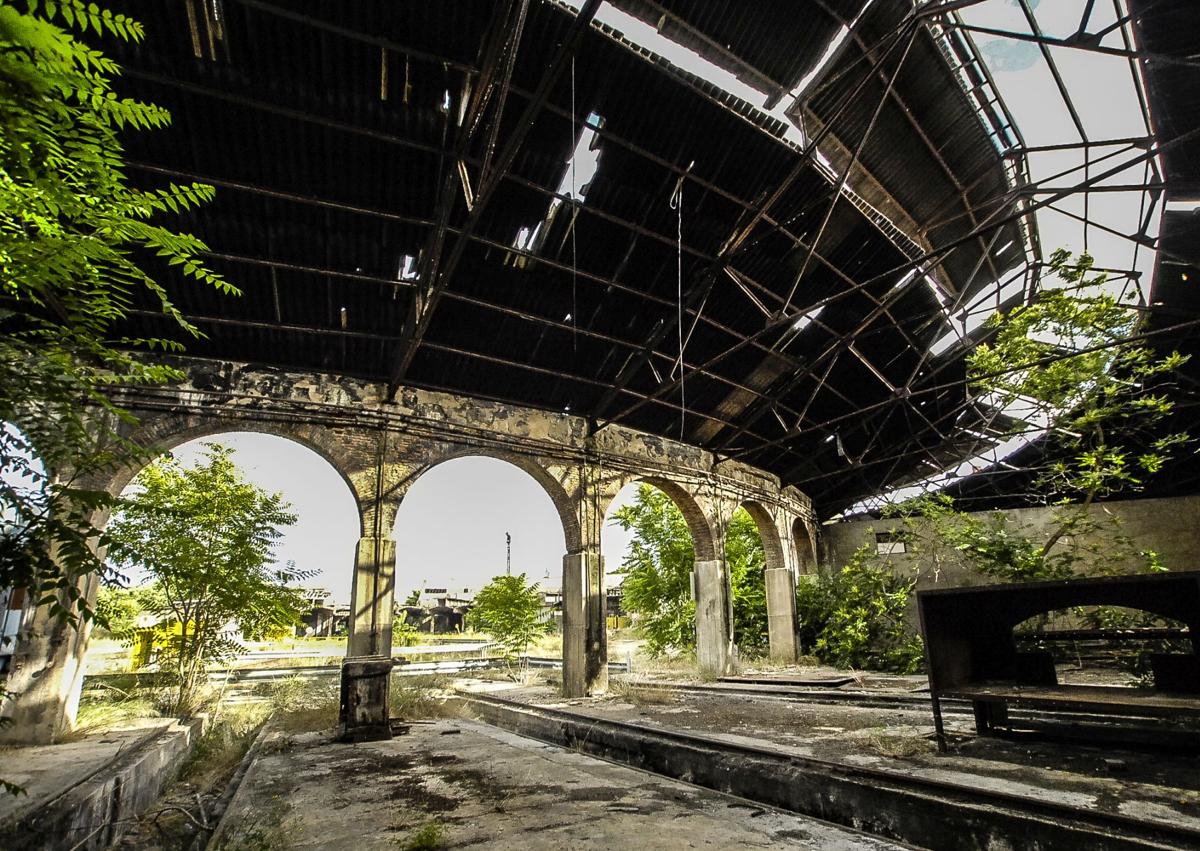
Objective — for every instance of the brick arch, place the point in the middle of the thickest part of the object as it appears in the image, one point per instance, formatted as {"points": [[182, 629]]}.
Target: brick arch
{"points": [[768, 533], [805, 546], [704, 545], [162, 434], [564, 506]]}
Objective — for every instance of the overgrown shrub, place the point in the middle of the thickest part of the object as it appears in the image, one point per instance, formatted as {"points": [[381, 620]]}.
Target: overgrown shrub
{"points": [[855, 618]]}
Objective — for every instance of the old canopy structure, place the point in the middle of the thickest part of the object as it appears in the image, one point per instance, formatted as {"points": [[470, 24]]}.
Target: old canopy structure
{"points": [[477, 197], [665, 232]]}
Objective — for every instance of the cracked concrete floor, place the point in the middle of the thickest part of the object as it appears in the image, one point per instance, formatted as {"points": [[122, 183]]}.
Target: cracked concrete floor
{"points": [[481, 787]]}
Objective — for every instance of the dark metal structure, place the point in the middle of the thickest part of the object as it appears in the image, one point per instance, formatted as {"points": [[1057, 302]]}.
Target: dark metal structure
{"points": [[401, 198], [971, 654]]}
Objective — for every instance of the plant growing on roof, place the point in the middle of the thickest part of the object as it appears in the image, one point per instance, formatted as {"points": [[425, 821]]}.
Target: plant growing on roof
{"points": [[78, 248], [1070, 361]]}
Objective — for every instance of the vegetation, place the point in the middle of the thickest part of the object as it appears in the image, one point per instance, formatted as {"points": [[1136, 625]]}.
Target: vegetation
{"points": [[658, 566], [1066, 363], [206, 536], [78, 250], [855, 617], [508, 609]]}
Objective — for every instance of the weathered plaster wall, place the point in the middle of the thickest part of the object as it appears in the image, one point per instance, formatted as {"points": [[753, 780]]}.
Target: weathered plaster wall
{"points": [[1170, 527], [381, 447]]}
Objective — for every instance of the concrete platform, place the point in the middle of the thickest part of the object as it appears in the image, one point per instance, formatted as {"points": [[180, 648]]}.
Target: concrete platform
{"points": [[481, 787], [1150, 786]]}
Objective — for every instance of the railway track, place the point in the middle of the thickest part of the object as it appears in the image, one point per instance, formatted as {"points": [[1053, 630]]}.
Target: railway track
{"points": [[932, 813]]}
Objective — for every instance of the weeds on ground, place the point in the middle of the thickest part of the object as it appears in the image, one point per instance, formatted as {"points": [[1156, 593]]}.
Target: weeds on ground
{"points": [[417, 697], [640, 693], [301, 705], [270, 831], [225, 741], [109, 706], [897, 744], [429, 837]]}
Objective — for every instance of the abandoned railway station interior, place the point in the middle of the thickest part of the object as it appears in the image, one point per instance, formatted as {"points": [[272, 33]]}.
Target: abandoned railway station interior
{"points": [[532, 424]]}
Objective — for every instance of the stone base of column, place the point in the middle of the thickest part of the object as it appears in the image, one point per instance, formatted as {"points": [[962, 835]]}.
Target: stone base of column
{"points": [[585, 638], [371, 603], [714, 636], [45, 679], [781, 615], [364, 701]]}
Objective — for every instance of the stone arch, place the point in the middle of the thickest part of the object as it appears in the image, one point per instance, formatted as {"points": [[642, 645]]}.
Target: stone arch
{"points": [[704, 541], [162, 434], [769, 533], [564, 506], [805, 547]]}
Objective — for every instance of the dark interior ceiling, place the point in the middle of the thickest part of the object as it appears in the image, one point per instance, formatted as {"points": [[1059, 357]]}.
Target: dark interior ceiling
{"points": [[376, 164]]}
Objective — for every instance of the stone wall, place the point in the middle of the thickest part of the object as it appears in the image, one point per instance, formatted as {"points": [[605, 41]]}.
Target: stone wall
{"points": [[1170, 527]]}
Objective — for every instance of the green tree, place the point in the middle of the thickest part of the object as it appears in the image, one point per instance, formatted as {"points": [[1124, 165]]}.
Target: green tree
{"points": [[1069, 361], [856, 617], [207, 537], [117, 609], [76, 244], [413, 598], [508, 609], [657, 573]]}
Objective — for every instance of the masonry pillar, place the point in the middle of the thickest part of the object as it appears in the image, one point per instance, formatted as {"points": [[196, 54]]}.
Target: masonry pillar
{"points": [[714, 631], [585, 638], [45, 678], [781, 614], [371, 599]]}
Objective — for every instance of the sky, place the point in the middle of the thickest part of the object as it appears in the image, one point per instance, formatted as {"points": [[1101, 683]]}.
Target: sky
{"points": [[450, 528]]}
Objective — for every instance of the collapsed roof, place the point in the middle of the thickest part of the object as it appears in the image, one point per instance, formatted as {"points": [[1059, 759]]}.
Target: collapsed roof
{"points": [[752, 226]]}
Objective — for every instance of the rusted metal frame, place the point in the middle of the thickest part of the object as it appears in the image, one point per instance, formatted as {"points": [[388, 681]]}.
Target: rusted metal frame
{"points": [[932, 149], [827, 424], [732, 245], [408, 284], [1119, 187], [945, 250], [356, 35], [1139, 83], [422, 314], [1012, 195], [1127, 142], [1036, 29], [441, 152], [284, 111], [428, 279], [845, 174], [1051, 41], [1136, 239], [553, 373]]}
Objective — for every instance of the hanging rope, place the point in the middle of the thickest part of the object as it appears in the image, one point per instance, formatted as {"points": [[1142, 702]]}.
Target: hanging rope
{"points": [[677, 205], [574, 215]]}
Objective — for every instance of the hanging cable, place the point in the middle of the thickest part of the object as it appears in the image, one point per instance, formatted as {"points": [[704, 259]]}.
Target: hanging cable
{"points": [[677, 205], [574, 215]]}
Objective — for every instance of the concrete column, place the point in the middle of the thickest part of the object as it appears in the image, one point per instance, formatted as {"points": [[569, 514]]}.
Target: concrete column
{"points": [[371, 600], [585, 639], [45, 677], [781, 614], [714, 632]]}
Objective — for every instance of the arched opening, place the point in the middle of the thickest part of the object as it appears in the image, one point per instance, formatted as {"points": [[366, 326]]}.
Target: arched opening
{"points": [[806, 559], [318, 544], [653, 534], [463, 523], [1102, 644], [753, 547]]}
